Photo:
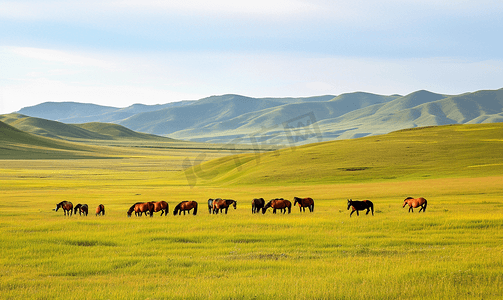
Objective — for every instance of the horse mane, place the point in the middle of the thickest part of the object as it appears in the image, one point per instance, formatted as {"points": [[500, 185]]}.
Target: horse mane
{"points": [[409, 198]]}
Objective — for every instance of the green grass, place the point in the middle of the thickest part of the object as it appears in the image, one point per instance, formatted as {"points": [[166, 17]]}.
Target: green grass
{"points": [[454, 250], [421, 153]]}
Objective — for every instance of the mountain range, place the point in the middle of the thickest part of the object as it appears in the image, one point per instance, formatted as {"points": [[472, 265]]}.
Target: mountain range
{"points": [[285, 121]]}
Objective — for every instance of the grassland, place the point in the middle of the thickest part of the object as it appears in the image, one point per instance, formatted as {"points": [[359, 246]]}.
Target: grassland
{"points": [[454, 250]]}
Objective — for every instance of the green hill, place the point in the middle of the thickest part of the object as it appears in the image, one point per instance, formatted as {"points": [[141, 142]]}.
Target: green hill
{"points": [[431, 152], [16, 144], [76, 132]]}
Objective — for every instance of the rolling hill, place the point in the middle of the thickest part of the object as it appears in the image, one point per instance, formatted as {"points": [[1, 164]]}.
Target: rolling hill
{"points": [[473, 150], [287, 121], [75, 132], [17, 144]]}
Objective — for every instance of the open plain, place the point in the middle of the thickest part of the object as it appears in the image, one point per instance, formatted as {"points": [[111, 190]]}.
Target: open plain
{"points": [[453, 250]]}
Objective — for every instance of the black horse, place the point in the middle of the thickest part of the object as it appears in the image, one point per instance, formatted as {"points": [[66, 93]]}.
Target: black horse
{"points": [[360, 205], [257, 205], [82, 209]]}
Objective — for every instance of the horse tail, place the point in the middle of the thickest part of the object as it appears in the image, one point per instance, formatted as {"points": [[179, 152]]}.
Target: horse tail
{"points": [[312, 207], [425, 204], [175, 211], [372, 207], [195, 208]]}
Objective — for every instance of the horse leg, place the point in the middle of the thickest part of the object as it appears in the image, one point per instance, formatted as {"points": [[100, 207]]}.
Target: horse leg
{"points": [[368, 210], [351, 213]]}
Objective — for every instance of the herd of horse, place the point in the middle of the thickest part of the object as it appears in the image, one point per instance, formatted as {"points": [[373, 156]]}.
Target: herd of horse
{"points": [[219, 205], [83, 209]]}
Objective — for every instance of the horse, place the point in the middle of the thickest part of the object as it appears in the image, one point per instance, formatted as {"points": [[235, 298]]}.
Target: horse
{"points": [[303, 203], [141, 207], [100, 210], [360, 205], [162, 206], [220, 204], [67, 207], [185, 206], [415, 203], [257, 205], [278, 203], [83, 209], [210, 204]]}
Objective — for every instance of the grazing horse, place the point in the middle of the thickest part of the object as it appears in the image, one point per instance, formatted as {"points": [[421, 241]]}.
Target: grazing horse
{"points": [[210, 204], [83, 209], [220, 204], [360, 205], [141, 207], [257, 205], [67, 207], [185, 206], [278, 203], [161, 206], [100, 210], [415, 203], [303, 203]]}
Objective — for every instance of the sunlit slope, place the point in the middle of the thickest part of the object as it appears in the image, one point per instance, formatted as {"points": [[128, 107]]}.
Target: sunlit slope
{"points": [[16, 144], [432, 152]]}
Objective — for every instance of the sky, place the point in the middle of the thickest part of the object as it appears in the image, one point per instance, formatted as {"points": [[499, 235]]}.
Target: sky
{"points": [[121, 52]]}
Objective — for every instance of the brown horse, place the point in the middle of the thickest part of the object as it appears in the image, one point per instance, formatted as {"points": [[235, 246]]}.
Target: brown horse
{"points": [[100, 210], [415, 203], [67, 207], [141, 207], [185, 206], [303, 203], [221, 204], [257, 205], [83, 209], [278, 203], [360, 205], [161, 206]]}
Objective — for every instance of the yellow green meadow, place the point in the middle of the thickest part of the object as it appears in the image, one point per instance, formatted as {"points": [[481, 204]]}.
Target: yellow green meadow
{"points": [[452, 251]]}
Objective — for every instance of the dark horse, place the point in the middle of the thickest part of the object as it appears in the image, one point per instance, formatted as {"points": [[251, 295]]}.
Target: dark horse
{"points": [[67, 207], [257, 205], [83, 209], [161, 206], [100, 210], [220, 204], [360, 205], [185, 206], [415, 203], [303, 203], [278, 203], [141, 207]]}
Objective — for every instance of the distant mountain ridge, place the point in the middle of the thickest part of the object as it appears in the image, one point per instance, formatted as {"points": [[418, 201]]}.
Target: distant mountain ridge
{"points": [[289, 121]]}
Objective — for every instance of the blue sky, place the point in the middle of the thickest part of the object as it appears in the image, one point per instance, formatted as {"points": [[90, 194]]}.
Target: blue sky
{"points": [[123, 52]]}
